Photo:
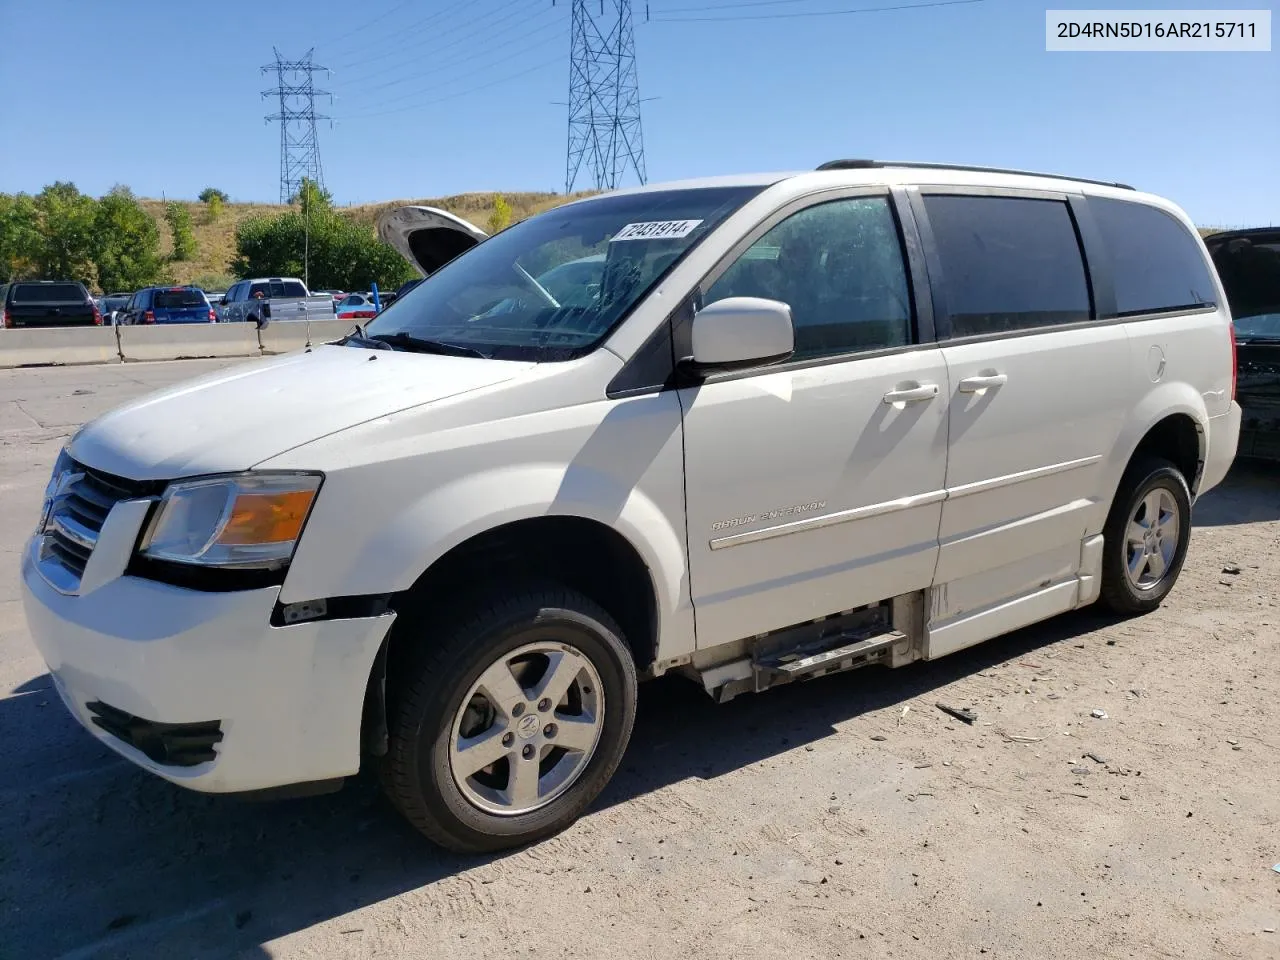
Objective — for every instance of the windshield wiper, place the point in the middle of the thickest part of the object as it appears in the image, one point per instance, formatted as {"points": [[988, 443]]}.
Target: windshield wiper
{"points": [[408, 341]]}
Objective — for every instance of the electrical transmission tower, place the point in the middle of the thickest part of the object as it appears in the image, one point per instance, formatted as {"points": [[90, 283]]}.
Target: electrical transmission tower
{"points": [[604, 96], [299, 147]]}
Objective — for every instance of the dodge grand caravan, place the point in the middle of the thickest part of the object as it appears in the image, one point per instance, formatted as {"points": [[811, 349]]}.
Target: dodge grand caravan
{"points": [[783, 426]]}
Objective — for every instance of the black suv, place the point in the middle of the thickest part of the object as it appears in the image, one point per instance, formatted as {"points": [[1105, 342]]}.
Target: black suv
{"points": [[47, 303]]}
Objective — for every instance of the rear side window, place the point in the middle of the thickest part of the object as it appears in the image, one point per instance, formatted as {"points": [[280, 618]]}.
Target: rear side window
{"points": [[1157, 264], [49, 293], [1008, 263], [179, 298], [276, 289]]}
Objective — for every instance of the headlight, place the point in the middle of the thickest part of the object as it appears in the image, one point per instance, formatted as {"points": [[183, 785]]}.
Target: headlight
{"points": [[245, 521]]}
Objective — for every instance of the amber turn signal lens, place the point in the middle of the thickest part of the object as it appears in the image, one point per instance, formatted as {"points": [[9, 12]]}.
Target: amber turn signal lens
{"points": [[266, 517]]}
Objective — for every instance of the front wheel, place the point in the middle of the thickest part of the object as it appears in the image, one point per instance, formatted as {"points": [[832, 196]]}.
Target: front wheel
{"points": [[511, 721], [1146, 537]]}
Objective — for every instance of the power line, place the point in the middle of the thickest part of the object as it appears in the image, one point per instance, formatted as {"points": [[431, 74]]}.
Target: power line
{"points": [[434, 38], [733, 6], [368, 23], [471, 63], [815, 13], [437, 66], [401, 30], [462, 93], [299, 146]]}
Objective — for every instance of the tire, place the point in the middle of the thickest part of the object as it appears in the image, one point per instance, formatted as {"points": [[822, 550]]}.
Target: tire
{"points": [[1150, 487], [443, 704]]}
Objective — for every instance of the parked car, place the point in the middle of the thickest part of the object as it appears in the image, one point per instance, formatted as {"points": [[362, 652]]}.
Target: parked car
{"points": [[266, 299], [163, 305], [1248, 262], [356, 306], [47, 303], [112, 303], [795, 425]]}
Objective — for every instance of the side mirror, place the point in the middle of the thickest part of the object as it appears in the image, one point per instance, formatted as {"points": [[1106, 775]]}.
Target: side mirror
{"points": [[741, 332]]}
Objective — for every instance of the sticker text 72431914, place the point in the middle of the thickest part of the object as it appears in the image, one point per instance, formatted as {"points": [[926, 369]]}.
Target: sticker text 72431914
{"points": [[656, 230]]}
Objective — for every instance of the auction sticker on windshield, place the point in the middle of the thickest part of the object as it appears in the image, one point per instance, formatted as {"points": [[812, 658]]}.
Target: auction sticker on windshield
{"points": [[656, 230]]}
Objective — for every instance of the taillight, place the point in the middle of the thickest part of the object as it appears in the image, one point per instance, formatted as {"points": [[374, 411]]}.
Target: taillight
{"points": [[1235, 369], [4, 318], [97, 314], [149, 317], [213, 317]]}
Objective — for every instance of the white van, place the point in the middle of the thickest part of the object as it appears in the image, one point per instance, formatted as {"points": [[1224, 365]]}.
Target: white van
{"points": [[752, 429]]}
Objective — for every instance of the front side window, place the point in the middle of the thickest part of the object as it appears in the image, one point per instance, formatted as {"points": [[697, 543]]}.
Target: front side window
{"points": [[1157, 264], [1008, 263], [839, 266], [553, 286]]}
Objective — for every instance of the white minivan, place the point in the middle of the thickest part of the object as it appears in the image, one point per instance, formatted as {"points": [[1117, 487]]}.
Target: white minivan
{"points": [[752, 429]]}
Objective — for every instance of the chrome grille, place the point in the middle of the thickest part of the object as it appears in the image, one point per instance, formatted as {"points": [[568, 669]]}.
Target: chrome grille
{"points": [[79, 501]]}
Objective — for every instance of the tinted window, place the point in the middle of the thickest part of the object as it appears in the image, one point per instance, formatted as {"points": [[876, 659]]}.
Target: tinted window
{"points": [[49, 293], [488, 299], [1249, 267], [1157, 263], [276, 289], [179, 298], [839, 267], [1008, 263]]}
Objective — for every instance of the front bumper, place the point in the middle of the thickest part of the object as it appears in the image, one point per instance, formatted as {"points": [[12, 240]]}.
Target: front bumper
{"points": [[288, 700]]}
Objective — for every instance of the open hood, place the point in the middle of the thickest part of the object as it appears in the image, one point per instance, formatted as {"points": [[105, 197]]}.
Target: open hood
{"points": [[426, 236]]}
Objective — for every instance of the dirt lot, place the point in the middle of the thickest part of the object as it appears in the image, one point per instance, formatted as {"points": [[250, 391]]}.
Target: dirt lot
{"points": [[848, 817]]}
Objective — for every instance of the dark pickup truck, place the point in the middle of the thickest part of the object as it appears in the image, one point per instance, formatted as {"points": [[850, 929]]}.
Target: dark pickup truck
{"points": [[47, 303], [1248, 262]]}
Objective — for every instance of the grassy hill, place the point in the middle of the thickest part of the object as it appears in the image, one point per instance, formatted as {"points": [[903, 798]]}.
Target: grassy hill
{"points": [[216, 243]]}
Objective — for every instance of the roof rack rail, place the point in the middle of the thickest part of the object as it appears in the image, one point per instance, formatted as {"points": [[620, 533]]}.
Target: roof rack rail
{"points": [[916, 165]]}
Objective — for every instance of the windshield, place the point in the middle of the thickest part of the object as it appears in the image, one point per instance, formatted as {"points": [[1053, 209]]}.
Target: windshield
{"points": [[1261, 326], [48, 293], [1249, 268], [553, 286], [275, 289], [170, 299]]}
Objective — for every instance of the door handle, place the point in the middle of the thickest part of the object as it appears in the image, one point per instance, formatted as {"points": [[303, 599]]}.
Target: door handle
{"points": [[905, 395], [978, 384]]}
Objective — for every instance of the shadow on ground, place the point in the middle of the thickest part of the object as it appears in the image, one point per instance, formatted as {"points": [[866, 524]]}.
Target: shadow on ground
{"points": [[1249, 494], [100, 860]]}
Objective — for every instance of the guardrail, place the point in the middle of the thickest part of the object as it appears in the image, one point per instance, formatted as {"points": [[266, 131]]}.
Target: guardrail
{"points": [[52, 346]]}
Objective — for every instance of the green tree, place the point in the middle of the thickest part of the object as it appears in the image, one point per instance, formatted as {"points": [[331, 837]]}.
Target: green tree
{"points": [[500, 218], [339, 253], [214, 200], [20, 238], [126, 243], [184, 239], [66, 222]]}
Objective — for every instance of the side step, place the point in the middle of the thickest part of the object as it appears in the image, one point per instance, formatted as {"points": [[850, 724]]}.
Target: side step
{"points": [[859, 648]]}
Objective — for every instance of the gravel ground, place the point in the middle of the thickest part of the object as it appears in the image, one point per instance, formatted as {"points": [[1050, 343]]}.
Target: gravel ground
{"points": [[847, 817]]}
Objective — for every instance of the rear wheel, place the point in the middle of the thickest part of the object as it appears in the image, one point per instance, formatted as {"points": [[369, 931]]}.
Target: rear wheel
{"points": [[512, 719], [1146, 537]]}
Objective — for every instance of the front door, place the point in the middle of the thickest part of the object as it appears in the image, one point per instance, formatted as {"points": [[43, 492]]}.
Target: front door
{"points": [[815, 486]]}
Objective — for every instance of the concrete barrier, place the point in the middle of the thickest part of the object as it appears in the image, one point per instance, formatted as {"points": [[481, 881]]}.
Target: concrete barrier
{"points": [[51, 345], [189, 341], [286, 335]]}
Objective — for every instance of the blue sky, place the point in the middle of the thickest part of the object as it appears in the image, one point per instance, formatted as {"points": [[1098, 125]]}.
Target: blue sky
{"points": [[434, 97]]}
